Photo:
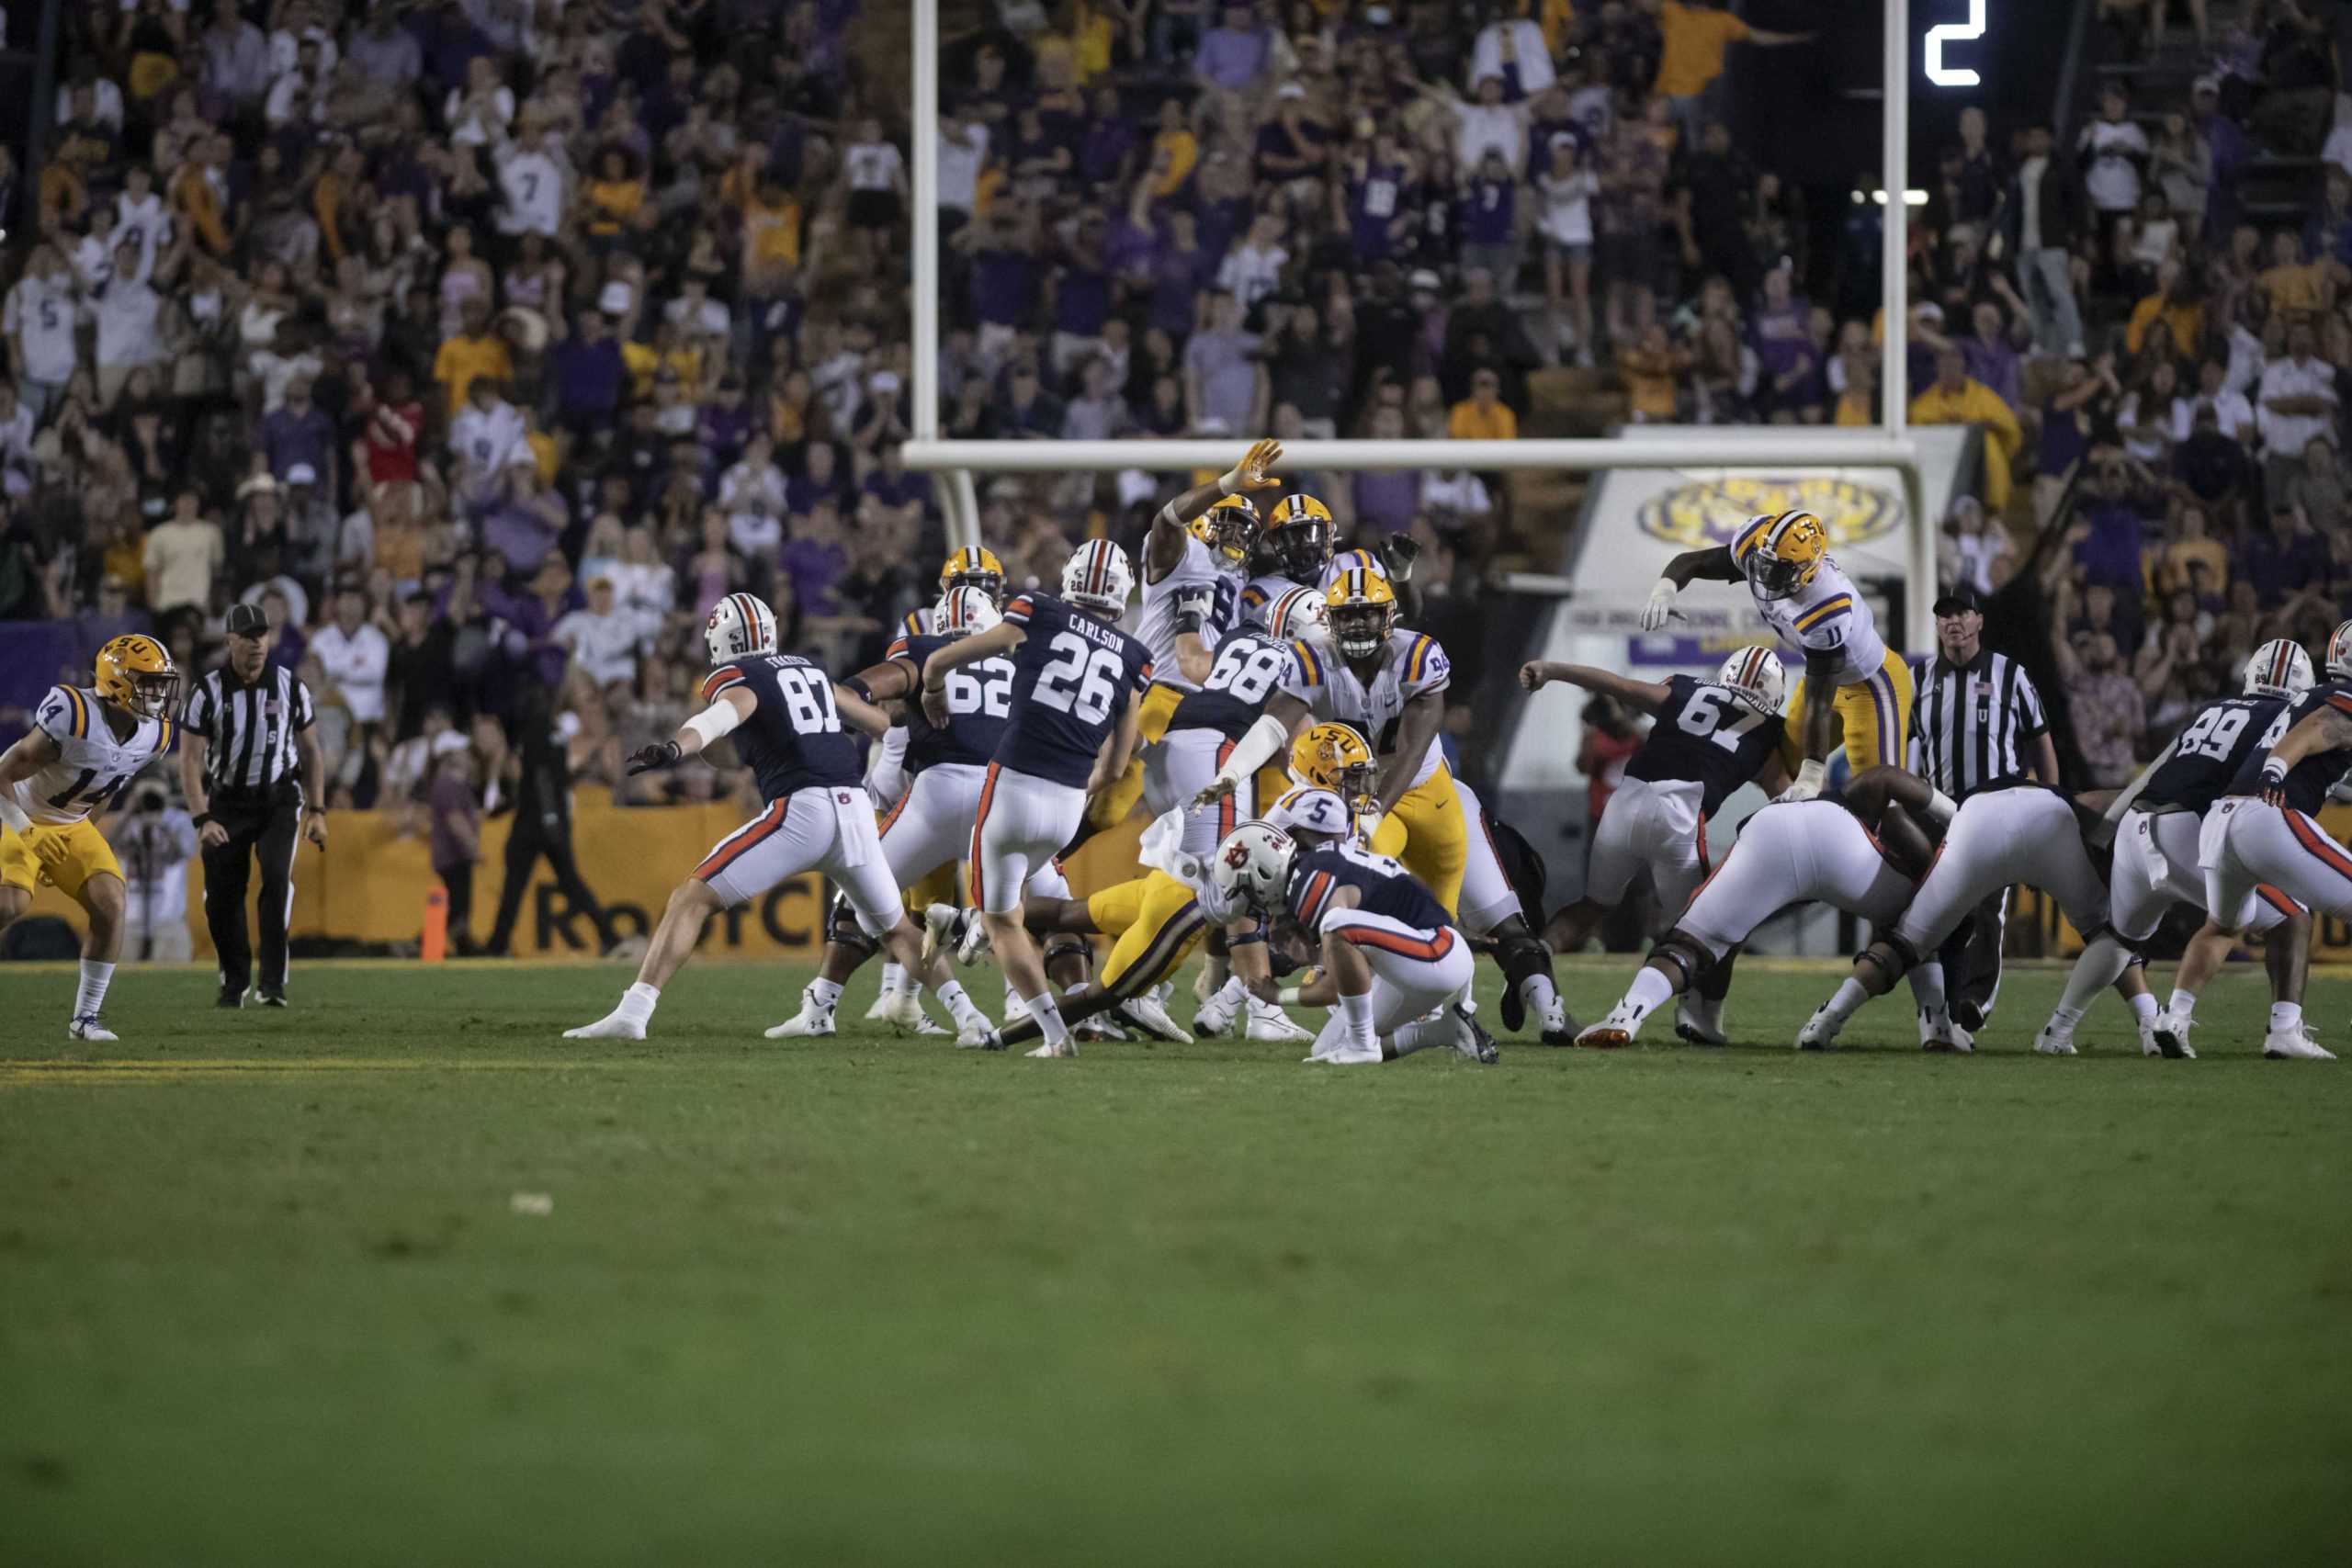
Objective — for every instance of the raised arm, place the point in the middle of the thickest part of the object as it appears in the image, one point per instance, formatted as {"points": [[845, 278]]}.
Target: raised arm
{"points": [[1163, 550], [1712, 565], [1648, 696]]}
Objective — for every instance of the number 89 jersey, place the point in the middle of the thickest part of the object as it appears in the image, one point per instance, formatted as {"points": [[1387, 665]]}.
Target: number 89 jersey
{"points": [[2210, 752], [1072, 676], [1705, 734], [1249, 669], [794, 739], [92, 767]]}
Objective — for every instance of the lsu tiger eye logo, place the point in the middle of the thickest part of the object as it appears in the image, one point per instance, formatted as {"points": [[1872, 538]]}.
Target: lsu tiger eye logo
{"points": [[1711, 511]]}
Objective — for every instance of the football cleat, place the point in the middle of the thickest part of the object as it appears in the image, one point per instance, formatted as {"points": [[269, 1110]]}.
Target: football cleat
{"points": [[1099, 1031], [941, 927], [85, 1026], [612, 1026], [1937, 1032], [905, 1010], [814, 1019], [2278, 1044], [1818, 1033], [273, 999], [932, 1026], [228, 998], [884, 1007], [1559, 1024], [2165, 1035], [1472, 1040], [1699, 1020], [1050, 1051], [1149, 1012], [979, 1037], [1218, 1011], [1269, 1022], [2054, 1041], [1613, 1032]]}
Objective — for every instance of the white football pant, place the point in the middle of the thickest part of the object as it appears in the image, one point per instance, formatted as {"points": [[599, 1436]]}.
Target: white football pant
{"points": [[1802, 852]]}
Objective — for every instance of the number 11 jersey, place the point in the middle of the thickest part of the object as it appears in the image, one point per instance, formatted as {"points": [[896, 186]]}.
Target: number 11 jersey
{"points": [[1705, 735], [1071, 678], [794, 739]]}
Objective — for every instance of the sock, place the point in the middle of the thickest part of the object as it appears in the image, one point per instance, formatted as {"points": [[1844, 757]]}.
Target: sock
{"points": [[826, 992], [1219, 969], [1356, 1013], [1927, 987], [2183, 1006], [636, 1002], [2099, 967], [1048, 1014], [1848, 1001], [2286, 1018], [1536, 990], [2143, 1008], [894, 977], [1419, 1035], [961, 1006], [1650, 991], [2063, 1019], [97, 976]]}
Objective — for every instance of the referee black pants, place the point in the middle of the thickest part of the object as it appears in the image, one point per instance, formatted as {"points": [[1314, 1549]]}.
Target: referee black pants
{"points": [[1972, 963], [530, 839], [265, 826]]}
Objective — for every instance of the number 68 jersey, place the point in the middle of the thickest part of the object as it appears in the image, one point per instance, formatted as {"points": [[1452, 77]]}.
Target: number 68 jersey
{"points": [[92, 767], [1071, 678]]}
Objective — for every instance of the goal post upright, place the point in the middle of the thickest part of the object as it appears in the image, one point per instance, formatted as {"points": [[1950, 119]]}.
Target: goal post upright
{"points": [[1894, 137]]}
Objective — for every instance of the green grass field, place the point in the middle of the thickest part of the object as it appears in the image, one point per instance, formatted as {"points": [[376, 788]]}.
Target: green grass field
{"points": [[266, 1295]]}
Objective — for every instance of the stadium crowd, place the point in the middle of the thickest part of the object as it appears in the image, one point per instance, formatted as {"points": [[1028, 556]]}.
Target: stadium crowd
{"points": [[477, 340]]}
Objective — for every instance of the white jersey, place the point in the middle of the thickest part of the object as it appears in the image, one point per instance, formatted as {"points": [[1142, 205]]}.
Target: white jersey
{"points": [[1197, 584], [43, 313], [1827, 615], [93, 767], [1262, 591], [1414, 664]]}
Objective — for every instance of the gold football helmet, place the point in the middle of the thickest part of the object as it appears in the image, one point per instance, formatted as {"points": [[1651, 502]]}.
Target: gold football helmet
{"points": [[1781, 552], [1230, 527], [1334, 757], [974, 566], [1298, 540], [136, 672], [1361, 609]]}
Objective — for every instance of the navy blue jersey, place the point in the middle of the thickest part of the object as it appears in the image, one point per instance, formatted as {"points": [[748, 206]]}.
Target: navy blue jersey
{"points": [[1705, 734], [1071, 678], [1250, 668], [2211, 750], [794, 739], [1383, 887], [2308, 781], [979, 701]]}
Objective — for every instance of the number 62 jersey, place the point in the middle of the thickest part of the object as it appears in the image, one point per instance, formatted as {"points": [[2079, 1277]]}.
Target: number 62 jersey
{"points": [[1071, 678], [92, 767]]}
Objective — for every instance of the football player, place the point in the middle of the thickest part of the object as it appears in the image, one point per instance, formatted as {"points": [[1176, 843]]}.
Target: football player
{"points": [[782, 718], [928, 828], [86, 746], [1077, 700], [1820, 851], [1711, 738], [2157, 823], [1291, 553], [2265, 829], [1392, 961], [1851, 682]]}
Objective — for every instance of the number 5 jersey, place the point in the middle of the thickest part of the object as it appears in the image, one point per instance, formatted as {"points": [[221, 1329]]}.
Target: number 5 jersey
{"points": [[1071, 677], [93, 767]]}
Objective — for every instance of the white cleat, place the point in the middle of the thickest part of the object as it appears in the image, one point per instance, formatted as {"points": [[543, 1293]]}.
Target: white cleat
{"points": [[1149, 1012], [612, 1026], [813, 1020], [1611, 1033], [2165, 1035], [1218, 1011], [1348, 1056], [1051, 1050], [1559, 1028], [1938, 1033], [2294, 1044], [1700, 1022], [972, 945], [979, 1037], [1472, 1040], [904, 1009], [939, 930], [932, 1026], [1016, 1008], [88, 1027], [2054, 1041], [1099, 1030], [1271, 1023], [881, 1012], [1820, 1031]]}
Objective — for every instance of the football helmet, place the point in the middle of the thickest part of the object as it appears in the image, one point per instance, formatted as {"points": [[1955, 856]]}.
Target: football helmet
{"points": [[2339, 653], [975, 565], [1368, 559], [1755, 677], [1296, 543], [963, 610], [1297, 613], [1335, 757], [1361, 609], [1315, 811], [1251, 867], [740, 625], [2279, 667], [1099, 579], [1781, 552], [136, 672], [1230, 528]]}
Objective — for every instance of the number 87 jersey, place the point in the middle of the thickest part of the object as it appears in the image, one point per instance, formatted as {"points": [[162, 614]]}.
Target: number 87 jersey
{"points": [[1072, 677]]}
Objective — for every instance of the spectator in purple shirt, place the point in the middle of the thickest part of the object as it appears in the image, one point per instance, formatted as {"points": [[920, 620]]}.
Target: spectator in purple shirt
{"points": [[1386, 501], [588, 370], [298, 433], [1183, 267], [1232, 54], [1780, 332], [1004, 278], [521, 518], [1990, 358], [814, 559], [1489, 223], [819, 479]]}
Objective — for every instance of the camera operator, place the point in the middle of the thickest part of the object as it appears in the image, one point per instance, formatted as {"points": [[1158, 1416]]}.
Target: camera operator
{"points": [[154, 839]]}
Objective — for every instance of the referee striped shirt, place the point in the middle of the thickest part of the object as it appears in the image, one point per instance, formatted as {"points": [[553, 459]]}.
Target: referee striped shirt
{"points": [[1971, 723], [250, 728]]}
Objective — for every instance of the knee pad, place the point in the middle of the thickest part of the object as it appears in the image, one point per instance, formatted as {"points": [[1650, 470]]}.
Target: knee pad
{"points": [[1904, 959], [1064, 944], [1519, 953], [842, 926], [1685, 955]]}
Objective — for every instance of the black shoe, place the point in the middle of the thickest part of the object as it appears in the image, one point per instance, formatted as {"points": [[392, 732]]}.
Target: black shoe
{"points": [[231, 998], [1514, 1008], [273, 999], [1968, 1015]]}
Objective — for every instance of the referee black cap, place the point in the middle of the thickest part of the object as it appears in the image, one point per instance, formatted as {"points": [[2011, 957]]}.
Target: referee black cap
{"points": [[1959, 600], [248, 620]]}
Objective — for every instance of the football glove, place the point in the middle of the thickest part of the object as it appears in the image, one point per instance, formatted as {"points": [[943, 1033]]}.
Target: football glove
{"points": [[1809, 777], [646, 758], [1660, 607], [1399, 552], [2274, 781]]}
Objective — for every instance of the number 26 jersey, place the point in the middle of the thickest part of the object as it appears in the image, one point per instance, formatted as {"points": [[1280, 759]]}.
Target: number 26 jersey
{"points": [[1706, 736], [92, 767], [1072, 676], [794, 739]]}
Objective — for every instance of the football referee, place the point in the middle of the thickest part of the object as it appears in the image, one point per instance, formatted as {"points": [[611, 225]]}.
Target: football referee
{"points": [[246, 725], [1976, 723]]}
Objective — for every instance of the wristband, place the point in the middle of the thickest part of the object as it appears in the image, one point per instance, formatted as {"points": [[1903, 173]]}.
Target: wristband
{"points": [[857, 684], [2274, 772], [201, 819], [1288, 996]]}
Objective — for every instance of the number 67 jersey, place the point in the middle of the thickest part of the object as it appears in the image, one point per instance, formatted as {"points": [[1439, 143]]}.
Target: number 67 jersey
{"points": [[1071, 678], [92, 767]]}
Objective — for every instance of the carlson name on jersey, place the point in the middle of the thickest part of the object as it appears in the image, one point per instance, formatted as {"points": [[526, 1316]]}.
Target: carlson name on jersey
{"points": [[2308, 781], [1705, 734], [2212, 750], [794, 739], [1071, 678]]}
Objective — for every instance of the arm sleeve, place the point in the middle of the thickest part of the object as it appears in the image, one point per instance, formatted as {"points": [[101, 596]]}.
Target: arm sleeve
{"points": [[1021, 611]]}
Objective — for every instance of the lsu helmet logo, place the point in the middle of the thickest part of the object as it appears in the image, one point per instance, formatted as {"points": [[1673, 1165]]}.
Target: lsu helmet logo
{"points": [[1691, 516]]}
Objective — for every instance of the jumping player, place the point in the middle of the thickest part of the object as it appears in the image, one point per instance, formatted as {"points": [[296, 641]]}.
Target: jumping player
{"points": [[1851, 682], [1078, 687], [1711, 738], [1291, 553], [86, 746], [784, 719]]}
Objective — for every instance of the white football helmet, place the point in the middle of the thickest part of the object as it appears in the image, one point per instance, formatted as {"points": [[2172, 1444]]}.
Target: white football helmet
{"points": [[2279, 667], [1755, 677], [739, 625], [1099, 579], [2339, 653], [961, 612], [1252, 865], [1298, 612], [1317, 811]]}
